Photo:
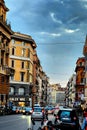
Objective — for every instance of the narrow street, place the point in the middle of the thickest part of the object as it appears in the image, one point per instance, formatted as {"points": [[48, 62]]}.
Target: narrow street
{"points": [[18, 122]]}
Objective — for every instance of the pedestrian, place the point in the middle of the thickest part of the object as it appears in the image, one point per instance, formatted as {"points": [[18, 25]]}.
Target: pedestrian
{"points": [[46, 113], [84, 123]]}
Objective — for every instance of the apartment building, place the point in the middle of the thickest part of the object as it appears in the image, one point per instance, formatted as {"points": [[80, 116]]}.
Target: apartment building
{"points": [[5, 70], [80, 78], [22, 49], [85, 54]]}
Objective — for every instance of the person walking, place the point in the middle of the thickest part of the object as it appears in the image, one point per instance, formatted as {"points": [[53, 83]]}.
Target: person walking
{"points": [[84, 123]]}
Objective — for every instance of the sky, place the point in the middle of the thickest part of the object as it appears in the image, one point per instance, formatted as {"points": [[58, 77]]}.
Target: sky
{"points": [[59, 28]]}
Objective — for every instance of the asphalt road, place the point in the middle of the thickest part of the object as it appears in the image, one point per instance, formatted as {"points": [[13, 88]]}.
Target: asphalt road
{"points": [[15, 122], [18, 122]]}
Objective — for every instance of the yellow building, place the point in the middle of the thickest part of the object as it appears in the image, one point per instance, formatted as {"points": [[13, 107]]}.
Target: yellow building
{"points": [[5, 37], [22, 48]]}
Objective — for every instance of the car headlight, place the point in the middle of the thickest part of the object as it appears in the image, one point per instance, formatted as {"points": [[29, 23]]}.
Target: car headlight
{"points": [[23, 111]]}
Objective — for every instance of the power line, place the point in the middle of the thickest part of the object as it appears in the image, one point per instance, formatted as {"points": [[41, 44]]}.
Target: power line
{"points": [[61, 43]]}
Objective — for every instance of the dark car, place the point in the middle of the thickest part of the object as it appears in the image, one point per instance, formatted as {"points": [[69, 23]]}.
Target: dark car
{"points": [[27, 111], [2, 111], [67, 118]]}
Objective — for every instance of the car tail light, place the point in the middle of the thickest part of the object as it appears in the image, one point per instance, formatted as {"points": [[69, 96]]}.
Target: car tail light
{"points": [[74, 118]]}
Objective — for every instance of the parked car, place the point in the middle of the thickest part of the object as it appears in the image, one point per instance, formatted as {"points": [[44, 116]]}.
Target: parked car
{"points": [[18, 110], [27, 110], [67, 118], [14, 108], [37, 113], [2, 110]]}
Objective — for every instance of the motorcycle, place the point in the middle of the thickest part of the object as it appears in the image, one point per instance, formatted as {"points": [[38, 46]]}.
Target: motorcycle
{"points": [[48, 125]]}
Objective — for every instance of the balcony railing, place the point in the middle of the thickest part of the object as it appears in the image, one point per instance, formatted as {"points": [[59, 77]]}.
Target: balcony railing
{"points": [[6, 70]]}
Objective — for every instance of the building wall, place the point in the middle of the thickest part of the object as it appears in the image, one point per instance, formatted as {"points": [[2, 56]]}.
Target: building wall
{"points": [[5, 36], [21, 60]]}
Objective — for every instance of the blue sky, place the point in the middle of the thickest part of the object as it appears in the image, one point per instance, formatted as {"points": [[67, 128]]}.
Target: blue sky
{"points": [[59, 28]]}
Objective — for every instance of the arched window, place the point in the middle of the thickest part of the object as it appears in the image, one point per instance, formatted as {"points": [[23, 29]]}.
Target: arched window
{"points": [[21, 91], [11, 91]]}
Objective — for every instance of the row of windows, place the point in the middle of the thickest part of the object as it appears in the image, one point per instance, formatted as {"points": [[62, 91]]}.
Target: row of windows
{"points": [[21, 91], [23, 52], [22, 65], [29, 78], [22, 43]]}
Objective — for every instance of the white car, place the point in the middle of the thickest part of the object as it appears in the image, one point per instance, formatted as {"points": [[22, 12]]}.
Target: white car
{"points": [[37, 113]]}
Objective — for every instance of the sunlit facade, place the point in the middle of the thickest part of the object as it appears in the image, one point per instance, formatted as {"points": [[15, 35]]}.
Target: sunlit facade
{"points": [[5, 70], [22, 49]]}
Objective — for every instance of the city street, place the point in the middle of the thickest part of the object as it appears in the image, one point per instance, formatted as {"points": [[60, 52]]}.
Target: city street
{"points": [[18, 122]]}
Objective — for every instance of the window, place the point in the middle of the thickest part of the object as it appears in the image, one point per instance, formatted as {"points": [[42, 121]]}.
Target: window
{"points": [[13, 51], [23, 52], [80, 63], [13, 41], [22, 65], [21, 91], [28, 52], [22, 76], [7, 80], [12, 63], [2, 79], [12, 77], [28, 65], [11, 91], [23, 43]]}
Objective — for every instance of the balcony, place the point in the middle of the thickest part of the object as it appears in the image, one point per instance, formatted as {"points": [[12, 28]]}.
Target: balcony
{"points": [[9, 71]]}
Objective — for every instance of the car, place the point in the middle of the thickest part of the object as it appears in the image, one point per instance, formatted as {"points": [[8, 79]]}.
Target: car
{"points": [[37, 105], [14, 108], [27, 111], [50, 109], [37, 113], [67, 118], [2, 110]]}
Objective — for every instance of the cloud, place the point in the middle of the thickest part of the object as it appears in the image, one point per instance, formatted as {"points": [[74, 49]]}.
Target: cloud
{"points": [[54, 19], [71, 31], [73, 19], [51, 34]]}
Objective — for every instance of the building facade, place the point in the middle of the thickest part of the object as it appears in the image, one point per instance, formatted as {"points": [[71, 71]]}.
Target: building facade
{"points": [[80, 78], [5, 70], [85, 54], [22, 49]]}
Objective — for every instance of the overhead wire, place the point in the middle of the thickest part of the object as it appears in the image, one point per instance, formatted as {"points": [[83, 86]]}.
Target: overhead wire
{"points": [[60, 43]]}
